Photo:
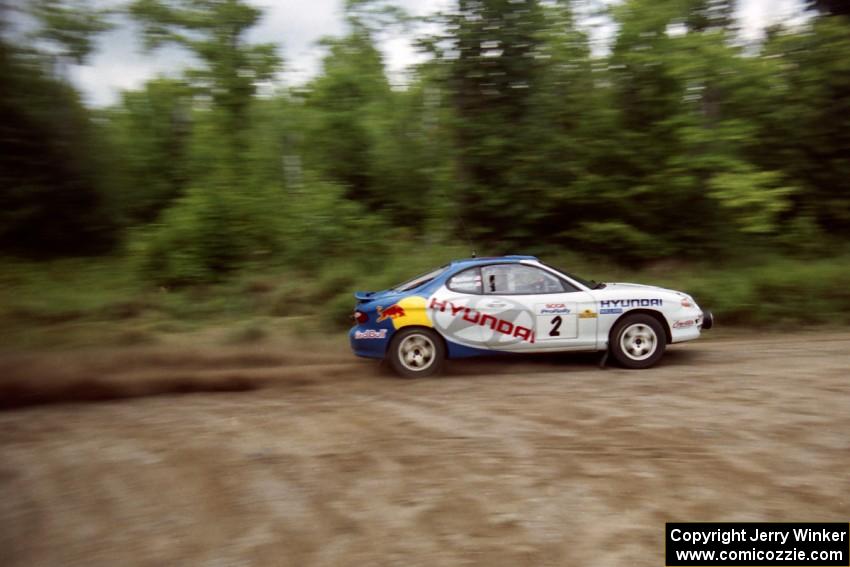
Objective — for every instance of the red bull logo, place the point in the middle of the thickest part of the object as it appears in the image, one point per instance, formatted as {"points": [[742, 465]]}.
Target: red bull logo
{"points": [[371, 334], [391, 312]]}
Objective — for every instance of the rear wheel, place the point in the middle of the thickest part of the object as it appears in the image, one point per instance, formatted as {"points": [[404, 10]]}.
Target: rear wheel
{"points": [[637, 341], [416, 352]]}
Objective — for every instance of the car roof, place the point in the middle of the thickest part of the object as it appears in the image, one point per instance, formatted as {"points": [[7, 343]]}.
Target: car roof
{"points": [[491, 259]]}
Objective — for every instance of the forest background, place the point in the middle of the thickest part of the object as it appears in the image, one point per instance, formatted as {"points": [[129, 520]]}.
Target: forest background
{"points": [[680, 155]]}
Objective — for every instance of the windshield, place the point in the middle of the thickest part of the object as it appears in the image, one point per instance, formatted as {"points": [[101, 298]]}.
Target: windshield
{"points": [[419, 280], [592, 284]]}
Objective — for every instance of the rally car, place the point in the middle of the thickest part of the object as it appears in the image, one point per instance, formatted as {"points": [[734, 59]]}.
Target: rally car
{"points": [[518, 304]]}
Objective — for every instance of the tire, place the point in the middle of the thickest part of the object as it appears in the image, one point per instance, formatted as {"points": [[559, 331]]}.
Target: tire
{"points": [[637, 341], [417, 352]]}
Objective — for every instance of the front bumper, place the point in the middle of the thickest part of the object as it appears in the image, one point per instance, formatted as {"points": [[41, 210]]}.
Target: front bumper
{"points": [[688, 323]]}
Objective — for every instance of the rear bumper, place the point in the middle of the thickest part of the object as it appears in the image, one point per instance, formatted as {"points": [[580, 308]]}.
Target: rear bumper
{"points": [[368, 343]]}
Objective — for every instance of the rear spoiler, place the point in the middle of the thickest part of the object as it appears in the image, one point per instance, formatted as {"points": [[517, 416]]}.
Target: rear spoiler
{"points": [[363, 295]]}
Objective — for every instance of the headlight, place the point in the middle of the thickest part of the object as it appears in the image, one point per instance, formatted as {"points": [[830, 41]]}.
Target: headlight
{"points": [[688, 302]]}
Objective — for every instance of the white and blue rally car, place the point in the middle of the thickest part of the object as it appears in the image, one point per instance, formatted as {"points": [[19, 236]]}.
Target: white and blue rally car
{"points": [[518, 304]]}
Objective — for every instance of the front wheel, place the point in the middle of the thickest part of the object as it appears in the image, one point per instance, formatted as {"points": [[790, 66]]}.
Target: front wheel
{"points": [[637, 341], [416, 352]]}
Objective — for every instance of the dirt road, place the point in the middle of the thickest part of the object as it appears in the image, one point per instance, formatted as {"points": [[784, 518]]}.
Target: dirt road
{"points": [[267, 456]]}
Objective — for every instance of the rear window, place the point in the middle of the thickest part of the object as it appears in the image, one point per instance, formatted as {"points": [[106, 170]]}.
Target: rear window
{"points": [[419, 280], [468, 281]]}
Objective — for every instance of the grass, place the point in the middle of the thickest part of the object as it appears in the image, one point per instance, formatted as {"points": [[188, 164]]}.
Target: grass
{"points": [[80, 302]]}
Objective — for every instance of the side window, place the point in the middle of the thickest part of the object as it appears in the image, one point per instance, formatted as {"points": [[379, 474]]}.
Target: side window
{"points": [[468, 281], [515, 279]]}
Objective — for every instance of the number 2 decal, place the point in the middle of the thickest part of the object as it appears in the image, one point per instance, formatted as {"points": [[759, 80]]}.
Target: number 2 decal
{"points": [[556, 324]]}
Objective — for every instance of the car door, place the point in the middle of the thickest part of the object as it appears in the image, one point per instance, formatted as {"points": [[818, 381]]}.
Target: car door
{"points": [[453, 309], [527, 308]]}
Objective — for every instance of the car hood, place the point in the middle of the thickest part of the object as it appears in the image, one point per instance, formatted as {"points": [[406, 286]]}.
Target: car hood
{"points": [[621, 286], [624, 285]]}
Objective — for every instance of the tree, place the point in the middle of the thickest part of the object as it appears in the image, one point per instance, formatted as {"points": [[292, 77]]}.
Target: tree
{"points": [[231, 68], [351, 88], [709, 15], [833, 7], [688, 105], [51, 192], [806, 133], [151, 128], [492, 73], [221, 220], [70, 27], [376, 142], [51, 185], [565, 147]]}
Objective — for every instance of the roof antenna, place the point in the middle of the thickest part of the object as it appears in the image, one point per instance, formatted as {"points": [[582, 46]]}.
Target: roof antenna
{"points": [[473, 254]]}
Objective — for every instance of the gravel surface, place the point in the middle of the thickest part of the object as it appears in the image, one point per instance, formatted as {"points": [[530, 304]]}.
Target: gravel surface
{"points": [[295, 455]]}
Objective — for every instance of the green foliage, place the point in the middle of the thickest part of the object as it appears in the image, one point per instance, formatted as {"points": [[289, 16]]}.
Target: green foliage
{"points": [[752, 198], [211, 232], [208, 233], [833, 7], [515, 136], [341, 103], [151, 130], [68, 289], [328, 225], [625, 241], [491, 75], [214, 31], [806, 133], [51, 186], [71, 26], [776, 292], [78, 302]]}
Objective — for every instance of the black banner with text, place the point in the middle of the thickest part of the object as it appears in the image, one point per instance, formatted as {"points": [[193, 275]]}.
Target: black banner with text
{"points": [[757, 544]]}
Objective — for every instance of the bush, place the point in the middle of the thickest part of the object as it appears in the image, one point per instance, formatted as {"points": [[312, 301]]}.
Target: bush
{"points": [[775, 292], [81, 302], [214, 231]]}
